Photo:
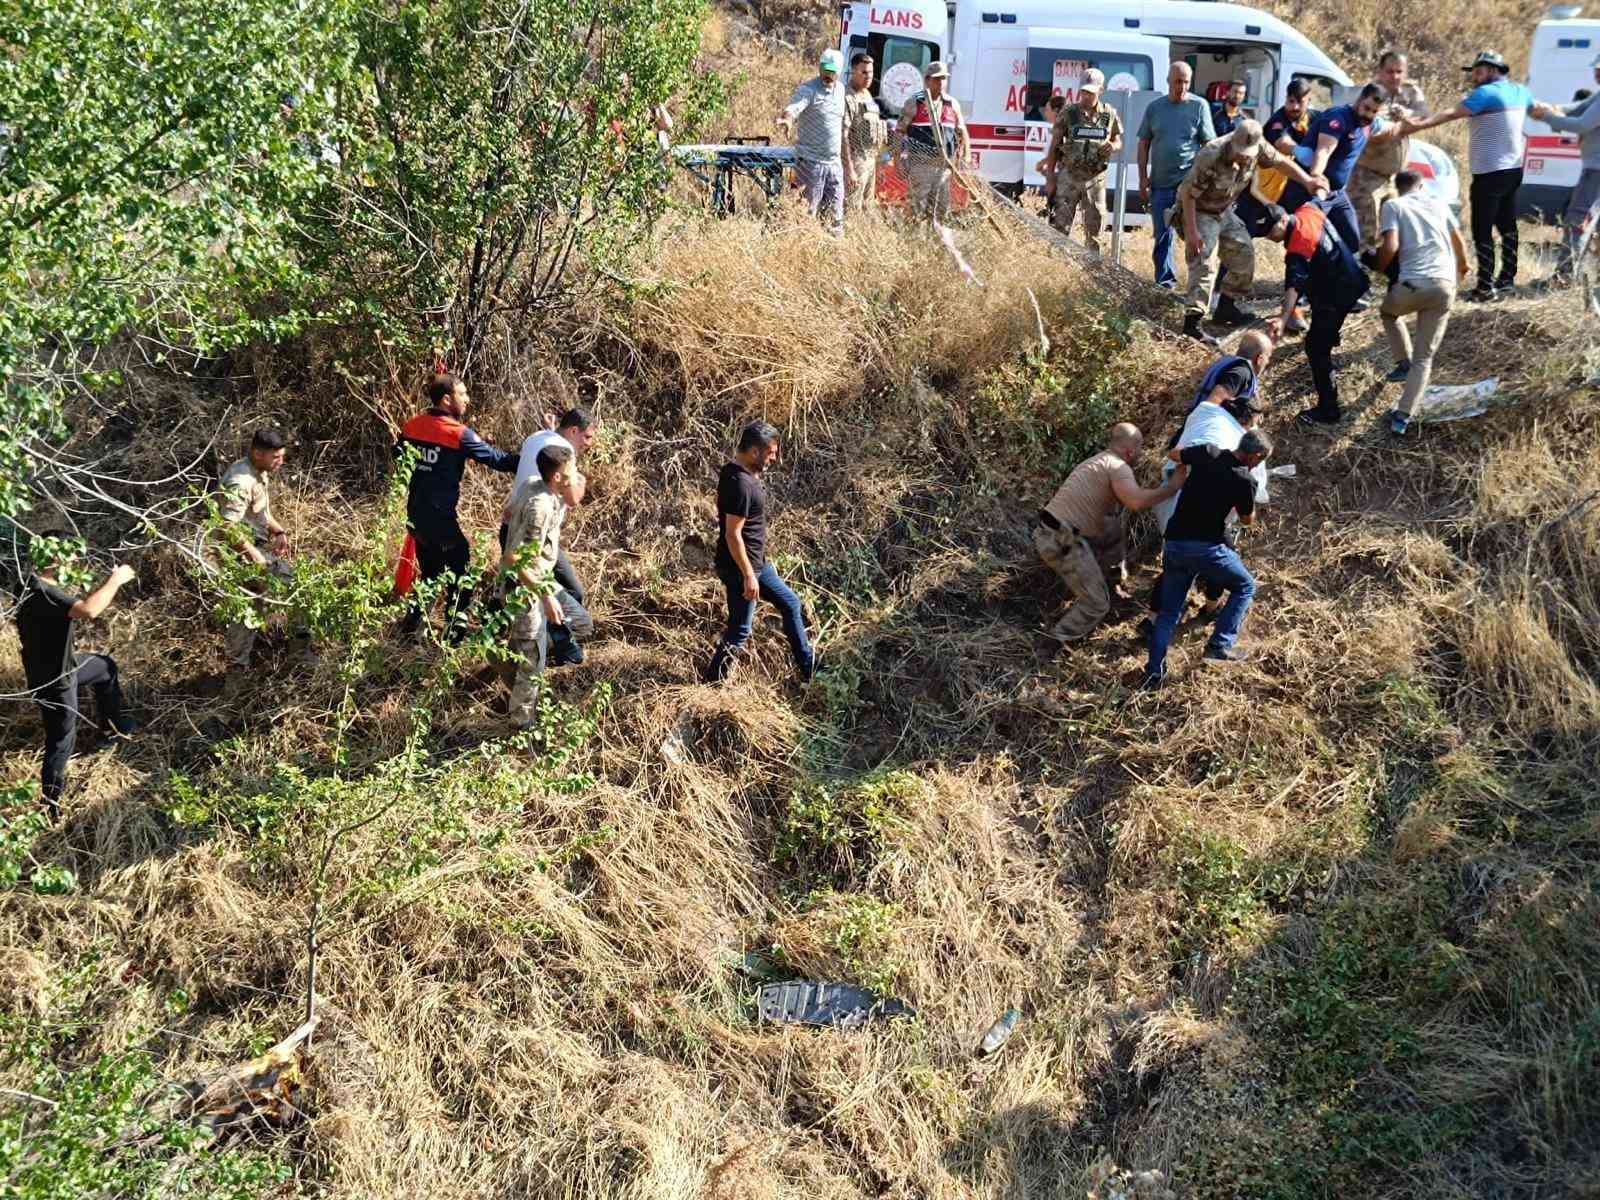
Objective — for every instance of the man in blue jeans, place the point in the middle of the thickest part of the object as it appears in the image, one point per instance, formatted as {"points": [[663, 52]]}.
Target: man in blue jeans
{"points": [[1173, 130], [742, 555], [1196, 547]]}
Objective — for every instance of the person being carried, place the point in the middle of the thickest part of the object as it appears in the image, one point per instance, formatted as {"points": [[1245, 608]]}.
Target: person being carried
{"points": [[1319, 264], [245, 507], [1221, 173], [1081, 534], [1219, 483], [47, 628], [1420, 238], [1085, 139], [443, 444], [741, 560], [816, 114], [533, 545], [932, 141]]}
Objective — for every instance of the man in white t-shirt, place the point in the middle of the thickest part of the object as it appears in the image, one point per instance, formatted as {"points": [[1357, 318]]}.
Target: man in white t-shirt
{"points": [[574, 429], [1420, 239]]}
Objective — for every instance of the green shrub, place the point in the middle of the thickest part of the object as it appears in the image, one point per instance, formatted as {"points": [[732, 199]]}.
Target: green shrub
{"points": [[843, 824]]}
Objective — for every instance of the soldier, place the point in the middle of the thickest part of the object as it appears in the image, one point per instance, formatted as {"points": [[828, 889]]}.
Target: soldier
{"points": [[1372, 181], [46, 621], [538, 510], [1086, 137], [245, 506], [1221, 172], [1080, 535], [933, 140], [863, 134]]}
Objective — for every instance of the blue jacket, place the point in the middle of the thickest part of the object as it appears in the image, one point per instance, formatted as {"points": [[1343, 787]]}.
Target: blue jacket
{"points": [[443, 446]]}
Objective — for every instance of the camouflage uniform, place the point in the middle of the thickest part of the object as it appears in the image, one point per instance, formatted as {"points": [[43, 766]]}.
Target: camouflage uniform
{"points": [[864, 133], [536, 517], [1372, 180], [1216, 181], [1089, 569], [1080, 168]]}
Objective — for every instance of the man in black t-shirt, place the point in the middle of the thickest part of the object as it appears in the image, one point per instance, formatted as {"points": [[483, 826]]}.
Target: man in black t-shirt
{"points": [[55, 672], [742, 564], [1196, 547]]}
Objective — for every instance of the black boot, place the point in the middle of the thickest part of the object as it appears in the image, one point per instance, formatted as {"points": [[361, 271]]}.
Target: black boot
{"points": [[1229, 313], [1191, 328]]}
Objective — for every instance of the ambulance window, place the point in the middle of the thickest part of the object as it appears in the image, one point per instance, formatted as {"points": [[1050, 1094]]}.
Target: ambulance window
{"points": [[1051, 71], [889, 50]]}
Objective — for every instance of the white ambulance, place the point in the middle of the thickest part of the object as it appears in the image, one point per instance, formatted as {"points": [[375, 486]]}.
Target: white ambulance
{"points": [[1564, 44]]}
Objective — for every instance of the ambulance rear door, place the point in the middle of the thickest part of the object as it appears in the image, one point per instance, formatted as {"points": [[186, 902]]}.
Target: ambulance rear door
{"points": [[1558, 66], [1135, 67]]}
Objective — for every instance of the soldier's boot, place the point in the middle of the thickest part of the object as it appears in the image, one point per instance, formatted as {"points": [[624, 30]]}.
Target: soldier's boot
{"points": [[1229, 313], [1191, 328]]}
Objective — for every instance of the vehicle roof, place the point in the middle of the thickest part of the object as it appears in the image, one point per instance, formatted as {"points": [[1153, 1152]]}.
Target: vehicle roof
{"points": [[1170, 18]]}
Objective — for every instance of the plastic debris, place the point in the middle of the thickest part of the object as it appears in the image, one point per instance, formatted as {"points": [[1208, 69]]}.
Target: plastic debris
{"points": [[675, 746], [1457, 402], [999, 1033], [1286, 471], [836, 1005]]}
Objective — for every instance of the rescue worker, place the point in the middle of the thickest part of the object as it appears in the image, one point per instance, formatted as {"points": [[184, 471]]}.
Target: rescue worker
{"points": [[1372, 180], [533, 543], [1497, 108], [246, 510], [1286, 131], [863, 135], [1221, 172], [933, 141], [1338, 138], [742, 566], [816, 114], [1318, 263], [1582, 117], [1080, 534], [443, 445], [1226, 115], [1419, 236], [47, 628], [1195, 547], [1087, 135], [1171, 132]]}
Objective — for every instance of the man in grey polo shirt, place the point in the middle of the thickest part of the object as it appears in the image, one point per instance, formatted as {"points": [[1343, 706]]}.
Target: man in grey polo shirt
{"points": [[816, 114], [1174, 128]]}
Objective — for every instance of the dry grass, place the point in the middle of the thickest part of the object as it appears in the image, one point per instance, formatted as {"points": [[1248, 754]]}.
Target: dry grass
{"points": [[1386, 819]]}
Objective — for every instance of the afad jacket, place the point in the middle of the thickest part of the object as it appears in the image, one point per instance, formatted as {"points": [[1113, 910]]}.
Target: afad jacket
{"points": [[443, 446]]}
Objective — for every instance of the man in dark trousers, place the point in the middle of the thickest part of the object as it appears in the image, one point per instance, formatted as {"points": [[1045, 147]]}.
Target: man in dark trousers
{"points": [[1196, 547], [742, 564], [1321, 265], [46, 627], [443, 444]]}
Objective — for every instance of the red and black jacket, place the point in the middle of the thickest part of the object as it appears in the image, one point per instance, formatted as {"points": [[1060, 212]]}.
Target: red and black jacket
{"points": [[443, 446]]}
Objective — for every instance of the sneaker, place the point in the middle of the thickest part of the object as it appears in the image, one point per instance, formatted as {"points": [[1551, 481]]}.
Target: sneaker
{"points": [[1296, 323], [1191, 328], [1399, 423], [1231, 654], [1400, 372], [564, 649], [1319, 416], [1482, 294], [1229, 313], [1551, 283], [122, 725], [1362, 304]]}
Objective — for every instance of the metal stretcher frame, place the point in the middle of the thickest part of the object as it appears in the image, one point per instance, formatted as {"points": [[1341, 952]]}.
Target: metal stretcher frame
{"points": [[717, 165]]}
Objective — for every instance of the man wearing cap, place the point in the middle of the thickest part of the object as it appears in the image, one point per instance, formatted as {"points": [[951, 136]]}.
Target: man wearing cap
{"points": [[1372, 180], [1498, 109], [1221, 172], [1320, 264], [1583, 119], [933, 140], [1171, 132], [863, 134], [816, 114], [1087, 135]]}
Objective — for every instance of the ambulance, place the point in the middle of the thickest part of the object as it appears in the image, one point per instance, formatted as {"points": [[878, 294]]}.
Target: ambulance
{"points": [[1007, 57], [1564, 44]]}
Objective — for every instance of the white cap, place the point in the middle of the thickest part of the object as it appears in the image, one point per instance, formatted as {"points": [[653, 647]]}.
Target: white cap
{"points": [[833, 60]]}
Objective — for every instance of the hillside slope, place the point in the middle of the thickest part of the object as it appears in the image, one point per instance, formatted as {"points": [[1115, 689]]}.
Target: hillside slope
{"points": [[1323, 926]]}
